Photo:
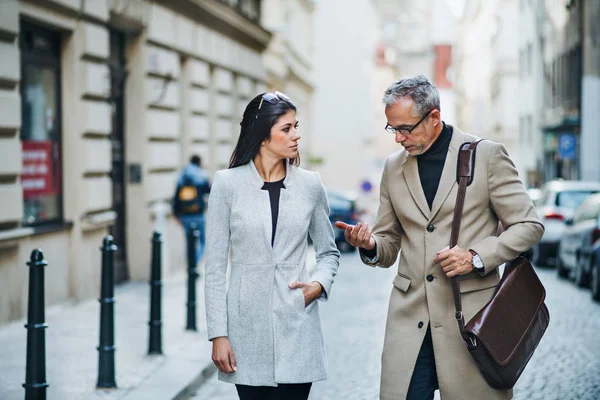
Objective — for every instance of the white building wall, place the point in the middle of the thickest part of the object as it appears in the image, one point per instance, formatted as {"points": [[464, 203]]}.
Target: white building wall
{"points": [[531, 89], [343, 69], [590, 96], [289, 61], [504, 80], [472, 60], [407, 33], [443, 32]]}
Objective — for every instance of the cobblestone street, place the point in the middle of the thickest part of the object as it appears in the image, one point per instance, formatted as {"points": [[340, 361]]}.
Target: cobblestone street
{"points": [[565, 366]]}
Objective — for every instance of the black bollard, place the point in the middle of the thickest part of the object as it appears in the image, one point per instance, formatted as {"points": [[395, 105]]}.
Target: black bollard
{"points": [[155, 338], [35, 376], [193, 235], [106, 349]]}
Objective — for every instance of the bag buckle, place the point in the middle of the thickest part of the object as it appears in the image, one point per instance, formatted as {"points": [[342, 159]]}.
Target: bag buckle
{"points": [[459, 315], [473, 340]]}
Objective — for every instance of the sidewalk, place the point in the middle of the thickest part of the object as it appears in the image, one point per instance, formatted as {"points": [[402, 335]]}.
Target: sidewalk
{"points": [[73, 334]]}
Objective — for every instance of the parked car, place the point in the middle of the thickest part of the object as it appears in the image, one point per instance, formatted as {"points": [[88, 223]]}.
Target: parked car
{"points": [[595, 272], [535, 194], [558, 202], [580, 234], [342, 207]]}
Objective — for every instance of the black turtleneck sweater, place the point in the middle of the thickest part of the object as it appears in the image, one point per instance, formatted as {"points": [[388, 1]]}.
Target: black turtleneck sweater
{"points": [[431, 164]]}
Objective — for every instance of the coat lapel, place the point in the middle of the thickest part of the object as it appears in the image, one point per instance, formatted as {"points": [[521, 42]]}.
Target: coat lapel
{"points": [[263, 206], [448, 178], [413, 181]]}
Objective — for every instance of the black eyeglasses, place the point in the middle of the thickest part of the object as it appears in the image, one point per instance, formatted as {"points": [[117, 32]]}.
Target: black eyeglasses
{"points": [[273, 98], [404, 131]]}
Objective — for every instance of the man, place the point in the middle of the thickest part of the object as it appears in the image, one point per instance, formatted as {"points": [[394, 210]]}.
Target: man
{"points": [[423, 350], [189, 202]]}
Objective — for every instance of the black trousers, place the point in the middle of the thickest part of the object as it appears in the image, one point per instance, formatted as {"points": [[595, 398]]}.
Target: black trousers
{"points": [[424, 381], [284, 391]]}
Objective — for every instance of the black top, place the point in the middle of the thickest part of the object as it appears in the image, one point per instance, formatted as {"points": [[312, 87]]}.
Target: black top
{"points": [[431, 164], [274, 189]]}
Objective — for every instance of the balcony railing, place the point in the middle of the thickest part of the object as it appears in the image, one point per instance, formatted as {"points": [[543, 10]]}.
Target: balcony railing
{"points": [[248, 8]]}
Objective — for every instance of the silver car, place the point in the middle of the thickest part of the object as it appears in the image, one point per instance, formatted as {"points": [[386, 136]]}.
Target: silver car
{"points": [[558, 203], [575, 249]]}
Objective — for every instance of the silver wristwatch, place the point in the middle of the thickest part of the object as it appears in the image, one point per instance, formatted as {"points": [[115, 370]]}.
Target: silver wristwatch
{"points": [[477, 262]]}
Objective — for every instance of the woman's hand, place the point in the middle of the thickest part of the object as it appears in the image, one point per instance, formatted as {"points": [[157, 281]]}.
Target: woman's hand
{"points": [[222, 355], [311, 291]]}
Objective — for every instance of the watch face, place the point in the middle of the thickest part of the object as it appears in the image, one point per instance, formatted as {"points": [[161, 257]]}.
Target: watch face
{"points": [[477, 262]]}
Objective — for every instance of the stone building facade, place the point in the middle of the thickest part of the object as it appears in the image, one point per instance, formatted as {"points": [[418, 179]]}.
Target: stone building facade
{"points": [[101, 103]]}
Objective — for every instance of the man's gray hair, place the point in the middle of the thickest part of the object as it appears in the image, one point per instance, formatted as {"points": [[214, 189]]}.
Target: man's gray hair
{"points": [[423, 93]]}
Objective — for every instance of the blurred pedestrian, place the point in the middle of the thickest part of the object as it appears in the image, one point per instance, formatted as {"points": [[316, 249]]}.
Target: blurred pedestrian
{"points": [[189, 201], [266, 330], [423, 350]]}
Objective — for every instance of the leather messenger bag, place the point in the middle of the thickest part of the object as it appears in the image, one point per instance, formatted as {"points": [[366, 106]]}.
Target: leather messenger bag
{"points": [[503, 335]]}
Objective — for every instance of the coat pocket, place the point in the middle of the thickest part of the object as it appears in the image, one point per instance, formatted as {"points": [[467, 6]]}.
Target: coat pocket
{"points": [[477, 283], [299, 299], [475, 297], [401, 282]]}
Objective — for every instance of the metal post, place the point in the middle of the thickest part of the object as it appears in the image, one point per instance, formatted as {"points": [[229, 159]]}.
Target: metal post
{"points": [[155, 338], [106, 349], [35, 376], [193, 235]]}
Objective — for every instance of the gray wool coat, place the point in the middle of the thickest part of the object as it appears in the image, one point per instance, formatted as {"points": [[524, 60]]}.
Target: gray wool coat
{"points": [[274, 337]]}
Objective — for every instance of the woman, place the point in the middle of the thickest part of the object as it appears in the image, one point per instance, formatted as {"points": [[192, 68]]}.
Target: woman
{"points": [[266, 329]]}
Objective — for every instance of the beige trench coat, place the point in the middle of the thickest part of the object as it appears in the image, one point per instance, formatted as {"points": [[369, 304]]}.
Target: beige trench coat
{"points": [[405, 222]]}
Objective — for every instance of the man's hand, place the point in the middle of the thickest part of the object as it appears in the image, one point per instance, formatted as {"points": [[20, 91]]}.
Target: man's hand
{"points": [[358, 235], [222, 355], [455, 261], [311, 291]]}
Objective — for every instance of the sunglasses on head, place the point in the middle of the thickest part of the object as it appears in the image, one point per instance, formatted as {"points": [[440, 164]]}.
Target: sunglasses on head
{"points": [[273, 98]]}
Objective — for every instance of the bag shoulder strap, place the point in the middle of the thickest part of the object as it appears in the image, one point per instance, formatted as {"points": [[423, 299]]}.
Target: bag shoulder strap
{"points": [[466, 165]]}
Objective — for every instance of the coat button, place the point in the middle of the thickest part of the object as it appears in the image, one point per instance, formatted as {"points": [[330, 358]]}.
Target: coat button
{"points": [[420, 325], [429, 278], [430, 228]]}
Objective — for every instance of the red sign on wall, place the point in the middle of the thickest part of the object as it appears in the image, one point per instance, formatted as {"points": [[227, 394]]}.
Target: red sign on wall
{"points": [[40, 176], [443, 62]]}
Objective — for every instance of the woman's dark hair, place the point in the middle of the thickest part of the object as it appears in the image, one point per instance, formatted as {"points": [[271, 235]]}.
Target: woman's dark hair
{"points": [[256, 127]]}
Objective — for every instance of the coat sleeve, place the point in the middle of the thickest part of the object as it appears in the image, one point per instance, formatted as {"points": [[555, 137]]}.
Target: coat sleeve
{"points": [[387, 229], [217, 252], [514, 209], [321, 232]]}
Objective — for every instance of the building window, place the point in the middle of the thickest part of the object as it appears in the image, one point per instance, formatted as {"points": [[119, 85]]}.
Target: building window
{"points": [[249, 8], [40, 125]]}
